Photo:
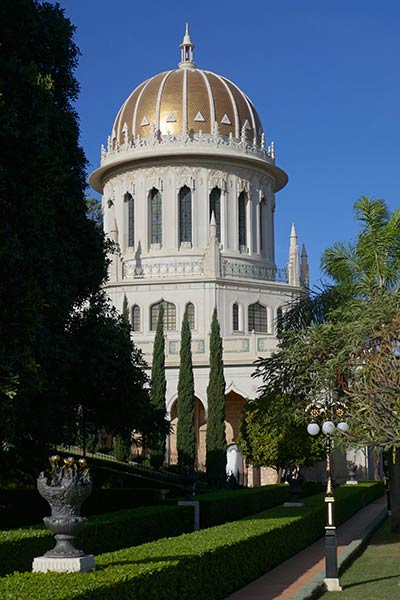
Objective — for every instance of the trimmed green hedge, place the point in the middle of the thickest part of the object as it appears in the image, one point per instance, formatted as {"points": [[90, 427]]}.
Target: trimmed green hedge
{"points": [[206, 565], [110, 531], [221, 507], [113, 531], [26, 507], [103, 533]]}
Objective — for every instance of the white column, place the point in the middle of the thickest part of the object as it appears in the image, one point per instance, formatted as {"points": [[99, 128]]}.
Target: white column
{"points": [[259, 224], [224, 223], [249, 222]]}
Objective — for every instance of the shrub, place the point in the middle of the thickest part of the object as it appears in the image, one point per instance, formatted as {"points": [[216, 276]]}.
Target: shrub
{"points": [[127, 527], [27, 507], [208, 564], [103, 533], [230, 505]]}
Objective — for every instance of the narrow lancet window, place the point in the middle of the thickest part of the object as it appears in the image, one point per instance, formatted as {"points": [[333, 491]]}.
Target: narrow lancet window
{"points": [[135, 317], [190, 314], [242, 219], [235, 317], [131, 218], [185, 215], [155, 217]]}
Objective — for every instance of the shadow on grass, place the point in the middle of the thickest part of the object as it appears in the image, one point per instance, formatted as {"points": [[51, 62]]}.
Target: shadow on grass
{"points": [[364, 581]]}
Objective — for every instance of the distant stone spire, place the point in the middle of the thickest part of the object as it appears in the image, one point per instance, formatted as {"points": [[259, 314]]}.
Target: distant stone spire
{"points": [[304, 268], [114, 232], [187, 51], [213, 226], [212, 256], [294, 263]]}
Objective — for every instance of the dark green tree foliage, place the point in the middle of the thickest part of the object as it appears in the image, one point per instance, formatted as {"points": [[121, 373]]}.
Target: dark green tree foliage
{"points": [[61, 343], [104, 370], [330, 341], [272, 435], [186, 435], [216, 438], [52, 258], [122, 447], [157, 393], [125, 310]]}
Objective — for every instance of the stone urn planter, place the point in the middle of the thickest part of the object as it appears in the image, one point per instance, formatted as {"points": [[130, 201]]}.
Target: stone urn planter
{"points": [[66, 489], [352, 470]]}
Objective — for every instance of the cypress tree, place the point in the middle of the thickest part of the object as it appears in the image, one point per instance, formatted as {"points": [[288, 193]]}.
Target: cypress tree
{"points": [[186, 435], [125, 309], [216, 438], [157, 393]]}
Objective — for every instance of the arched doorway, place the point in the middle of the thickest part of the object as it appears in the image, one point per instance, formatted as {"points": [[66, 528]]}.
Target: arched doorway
{"points": [[233, 415], [200, 428], [234, 463]]}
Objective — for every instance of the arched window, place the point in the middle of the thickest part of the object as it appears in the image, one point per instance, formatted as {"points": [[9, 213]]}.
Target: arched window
{"points": [[242, 219], [135, 317], [185, 215], [131, 218], [169, 316], [190, 314], [258, 319], [155, 217], [235, 317], [215, 207]]}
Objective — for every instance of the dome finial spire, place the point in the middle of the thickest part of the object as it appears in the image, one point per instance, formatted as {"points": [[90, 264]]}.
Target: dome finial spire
{"points": [[187, 51]]}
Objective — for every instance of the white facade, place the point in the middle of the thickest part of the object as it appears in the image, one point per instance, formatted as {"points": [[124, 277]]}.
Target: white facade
{"points": [[183, 246]]}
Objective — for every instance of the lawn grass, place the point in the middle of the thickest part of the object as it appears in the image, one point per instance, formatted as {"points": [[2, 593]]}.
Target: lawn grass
{"points": [[375, 575]]}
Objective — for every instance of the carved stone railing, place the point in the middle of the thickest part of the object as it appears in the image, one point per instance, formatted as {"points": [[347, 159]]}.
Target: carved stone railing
{"points": [[249, 271], [195, 268], [163, 270], [156, 140]]}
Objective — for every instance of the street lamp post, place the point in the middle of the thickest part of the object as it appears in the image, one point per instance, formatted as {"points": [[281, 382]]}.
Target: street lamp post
{"points": [[328, 428]]}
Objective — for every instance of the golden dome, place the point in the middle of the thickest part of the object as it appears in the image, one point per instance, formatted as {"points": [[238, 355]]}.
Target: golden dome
{"points": [[187, 112], [188, 100]]}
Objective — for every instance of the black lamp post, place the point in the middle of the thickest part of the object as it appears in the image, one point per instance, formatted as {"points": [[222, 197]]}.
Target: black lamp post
{"points": [[327, 409]]}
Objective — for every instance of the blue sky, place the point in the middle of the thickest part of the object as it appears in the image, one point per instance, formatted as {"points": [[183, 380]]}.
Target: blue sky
{"points": [[323, 75]]}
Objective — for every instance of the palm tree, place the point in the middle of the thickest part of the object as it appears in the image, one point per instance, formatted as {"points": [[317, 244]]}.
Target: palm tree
{"points": [[372, 263], [335, 329]]}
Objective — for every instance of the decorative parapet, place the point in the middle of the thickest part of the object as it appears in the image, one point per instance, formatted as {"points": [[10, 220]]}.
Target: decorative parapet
{"points": [[163, 270], [249, 271], [136, 145], [194, 268]]}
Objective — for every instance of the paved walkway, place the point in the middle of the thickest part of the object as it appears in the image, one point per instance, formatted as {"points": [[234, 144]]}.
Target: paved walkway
{"points": [[290, 577]]}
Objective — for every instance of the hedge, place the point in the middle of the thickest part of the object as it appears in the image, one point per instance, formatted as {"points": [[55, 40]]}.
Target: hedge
{"points": [[223, 506], [127, 528], [206, 565], [27, 507], [103, 533]]}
